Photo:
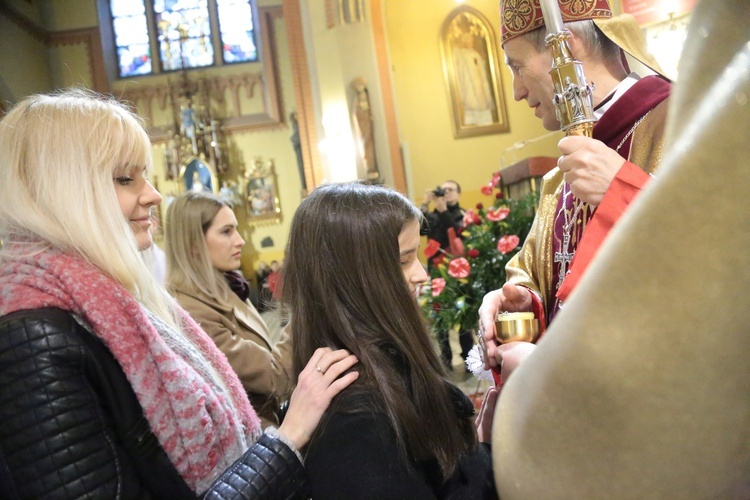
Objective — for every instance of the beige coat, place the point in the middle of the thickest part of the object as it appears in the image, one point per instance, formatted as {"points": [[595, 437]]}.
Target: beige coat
{"points": [[641, 387], [241, 334]]}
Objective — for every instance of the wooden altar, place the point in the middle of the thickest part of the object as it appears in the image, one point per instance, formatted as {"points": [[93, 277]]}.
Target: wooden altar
{"points": [[525, 176]]}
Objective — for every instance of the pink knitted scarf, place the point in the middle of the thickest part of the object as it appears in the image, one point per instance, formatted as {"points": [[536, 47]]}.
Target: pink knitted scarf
{"points": [[192, 420]]}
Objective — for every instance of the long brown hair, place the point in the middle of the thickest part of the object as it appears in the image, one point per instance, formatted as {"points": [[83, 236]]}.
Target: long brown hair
{"points": [[344, 287], [189, 266]]}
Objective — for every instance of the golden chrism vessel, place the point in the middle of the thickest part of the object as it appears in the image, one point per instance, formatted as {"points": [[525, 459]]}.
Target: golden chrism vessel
{"points": [[516, 326]]}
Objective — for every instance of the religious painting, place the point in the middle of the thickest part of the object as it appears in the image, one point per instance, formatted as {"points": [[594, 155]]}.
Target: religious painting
{"points": [[197, 175], [261, 194], [472, 74]]}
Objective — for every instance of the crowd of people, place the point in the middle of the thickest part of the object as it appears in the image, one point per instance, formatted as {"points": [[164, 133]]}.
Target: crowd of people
{"points": [[114, 384]]}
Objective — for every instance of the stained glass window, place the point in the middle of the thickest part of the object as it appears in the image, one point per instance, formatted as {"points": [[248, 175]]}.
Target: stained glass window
{"points": [[180, 34], [236, 24], [184, 33], [131, 37]]}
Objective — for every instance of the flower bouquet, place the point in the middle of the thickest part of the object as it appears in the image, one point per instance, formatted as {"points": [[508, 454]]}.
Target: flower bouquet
{"points": [[475, 265]]}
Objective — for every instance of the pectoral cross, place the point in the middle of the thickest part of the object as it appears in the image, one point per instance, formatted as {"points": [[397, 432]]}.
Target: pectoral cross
{"points": [[563, 258]]}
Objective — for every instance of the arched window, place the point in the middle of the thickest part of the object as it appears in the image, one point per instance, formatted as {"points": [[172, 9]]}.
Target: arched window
{"points": [[156, 36]]}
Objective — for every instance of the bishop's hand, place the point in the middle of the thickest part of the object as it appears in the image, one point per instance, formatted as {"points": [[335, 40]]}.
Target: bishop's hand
{"points": [[509, 298], [589, 166]]}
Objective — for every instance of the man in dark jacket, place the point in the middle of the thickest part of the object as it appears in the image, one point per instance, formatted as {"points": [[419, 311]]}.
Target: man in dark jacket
{"points": [[447, 214]]}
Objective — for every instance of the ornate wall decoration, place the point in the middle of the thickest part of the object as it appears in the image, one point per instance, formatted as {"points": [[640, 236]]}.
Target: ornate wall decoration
{"points": [[260, 192], [470, 66]]}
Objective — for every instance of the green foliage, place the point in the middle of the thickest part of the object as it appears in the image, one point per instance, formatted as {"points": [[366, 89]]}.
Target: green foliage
{"points": [[457, 305]]}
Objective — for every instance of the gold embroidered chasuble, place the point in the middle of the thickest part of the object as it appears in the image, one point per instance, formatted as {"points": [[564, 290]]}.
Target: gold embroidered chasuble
{"points": [[532, 266]]}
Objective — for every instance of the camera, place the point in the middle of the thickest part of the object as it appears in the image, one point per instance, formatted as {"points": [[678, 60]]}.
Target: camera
{"points": [[439, 192]]}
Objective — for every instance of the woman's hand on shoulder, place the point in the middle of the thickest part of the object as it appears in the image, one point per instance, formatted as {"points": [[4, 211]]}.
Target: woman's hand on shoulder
{"points": [[317, 385]]}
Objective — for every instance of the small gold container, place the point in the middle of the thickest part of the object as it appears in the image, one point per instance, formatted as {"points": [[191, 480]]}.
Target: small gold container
{"points": [[516, 326]]}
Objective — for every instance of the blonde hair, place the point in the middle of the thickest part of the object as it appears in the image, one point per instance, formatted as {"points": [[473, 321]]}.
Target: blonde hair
{"points": [[59, 154], [189, 264]]}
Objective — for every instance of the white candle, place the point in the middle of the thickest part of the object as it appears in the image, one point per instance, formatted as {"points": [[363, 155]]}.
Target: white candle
{"points": [[552, 16]]}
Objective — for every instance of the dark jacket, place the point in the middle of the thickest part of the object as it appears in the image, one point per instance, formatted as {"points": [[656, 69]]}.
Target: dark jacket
{"points": [[356, 455], [436, 224], [71, 425]]}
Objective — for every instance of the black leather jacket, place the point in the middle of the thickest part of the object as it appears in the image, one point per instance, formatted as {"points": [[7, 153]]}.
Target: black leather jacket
{"points": [[71, 425]]}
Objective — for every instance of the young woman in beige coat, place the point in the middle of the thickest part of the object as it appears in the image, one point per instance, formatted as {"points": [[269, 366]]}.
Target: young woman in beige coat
{"points": [[203, 253]]}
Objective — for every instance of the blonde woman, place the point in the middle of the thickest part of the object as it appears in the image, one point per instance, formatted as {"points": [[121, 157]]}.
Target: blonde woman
{"points": [[107, 388], [203, 255]]}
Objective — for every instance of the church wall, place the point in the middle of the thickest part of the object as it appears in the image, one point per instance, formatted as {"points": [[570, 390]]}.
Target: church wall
{"points": [[432, 154], [339, 52], [70, 14], [24, 67], [277, 145], [358, 60], [69, 65]]}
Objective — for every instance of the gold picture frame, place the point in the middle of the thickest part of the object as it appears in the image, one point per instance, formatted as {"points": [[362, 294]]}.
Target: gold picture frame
{"points": [[261, 193], [472, 76]]}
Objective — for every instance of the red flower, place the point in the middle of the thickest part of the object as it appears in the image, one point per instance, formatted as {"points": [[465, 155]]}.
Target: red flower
{"points": [[508, 243], [471, 218], [473, 253], [497, 214], [495, 179], [486, 189], [438, 259], [438, 284], [499, 195], [480, 206], [459, 268], [432, 248], [457, 247], [436, 306]]}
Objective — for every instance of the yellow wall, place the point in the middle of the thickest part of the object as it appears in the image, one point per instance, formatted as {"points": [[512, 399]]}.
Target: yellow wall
{"points": [[424, 116], [337, 55], [24, 67], [274, 144], [70, 14]]}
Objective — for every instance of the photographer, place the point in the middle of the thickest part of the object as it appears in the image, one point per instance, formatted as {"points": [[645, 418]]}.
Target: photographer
{"points": [[446, 215]]}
